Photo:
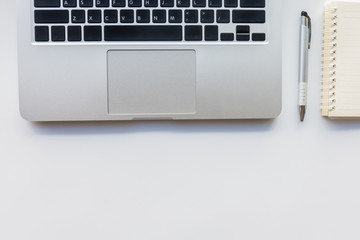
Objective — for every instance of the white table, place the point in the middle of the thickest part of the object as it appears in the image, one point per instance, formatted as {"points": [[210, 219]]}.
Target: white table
{"points": [[253, 180]]}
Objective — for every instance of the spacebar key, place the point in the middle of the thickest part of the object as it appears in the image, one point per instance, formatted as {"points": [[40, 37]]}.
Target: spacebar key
{"points": [[143, 33]]}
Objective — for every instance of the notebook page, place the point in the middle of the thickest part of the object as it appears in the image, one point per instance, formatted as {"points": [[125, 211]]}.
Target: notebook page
{"points": [[347, 64]]}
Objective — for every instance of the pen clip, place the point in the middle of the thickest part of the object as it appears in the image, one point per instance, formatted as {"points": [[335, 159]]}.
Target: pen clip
{"points": [[306, 15], [309, 19]]}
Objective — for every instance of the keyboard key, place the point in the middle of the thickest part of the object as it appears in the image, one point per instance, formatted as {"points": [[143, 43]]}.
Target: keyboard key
{"points": [[58, 33], [231, 3], [94, 16], [51, 16], [77, 16], [151, 3], [70, 3], [199, 3], [41, 33], [242, 37], [207, 16], [134, 3], [183, 3], [126, 16], [252, 3], [191, 16], [143, 16], [167, 3], [223, 16], [102, 3], [243, 29], [259, 37], [159, 16], [110, 16], [143, 33], [175, 16], [211, 33], [74, 33], [215, 3], [227, 37], [47, 3], [86, 3], [193, 33], [248, 16], [92, 33], [118, 3]]}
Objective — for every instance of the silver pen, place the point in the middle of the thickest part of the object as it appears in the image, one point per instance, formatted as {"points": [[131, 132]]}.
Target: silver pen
{"points": [[305, 42]]}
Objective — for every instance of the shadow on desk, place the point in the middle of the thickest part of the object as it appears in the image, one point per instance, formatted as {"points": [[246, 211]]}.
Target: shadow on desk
{"points": [[129, 127], [343, 124]]}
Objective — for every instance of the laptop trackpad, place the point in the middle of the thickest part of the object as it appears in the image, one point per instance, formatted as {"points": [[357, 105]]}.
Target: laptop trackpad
{"points": [[147, 82]]}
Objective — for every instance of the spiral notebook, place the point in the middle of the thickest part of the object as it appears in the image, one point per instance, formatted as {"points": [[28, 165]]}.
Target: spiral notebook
{"points": [[341, 60]]}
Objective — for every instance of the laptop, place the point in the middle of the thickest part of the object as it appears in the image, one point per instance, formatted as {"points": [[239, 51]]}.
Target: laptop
{"points": [[89, 60]]}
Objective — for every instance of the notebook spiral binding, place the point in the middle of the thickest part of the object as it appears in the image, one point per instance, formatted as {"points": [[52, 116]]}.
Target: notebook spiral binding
{"points": [[328, 100]]}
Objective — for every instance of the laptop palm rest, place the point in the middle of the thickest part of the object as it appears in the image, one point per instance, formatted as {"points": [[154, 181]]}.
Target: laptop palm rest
{"points": [[151, 83]]}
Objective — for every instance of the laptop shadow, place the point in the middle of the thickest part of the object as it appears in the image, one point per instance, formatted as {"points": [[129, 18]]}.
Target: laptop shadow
{"points": [[130, 127]]}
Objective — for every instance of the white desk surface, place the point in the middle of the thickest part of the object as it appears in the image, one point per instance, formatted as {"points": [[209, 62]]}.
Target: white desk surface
{"points": [[274, 180]]}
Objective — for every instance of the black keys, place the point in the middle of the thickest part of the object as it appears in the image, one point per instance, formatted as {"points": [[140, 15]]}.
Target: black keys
{"points": [[193, 33], [191, 16], [223, 16], [243, 33], [51, 16], [134, 3], [92, 33], [215, 3], [252, 3], [183, 3], [159, 16], [57, 33], [70, 3], [199, 3], [41, 33], [248, 16], [243, 29], [110, 16], [167, 3], [86, 3], [118, 3], [102, 3], [175, 16], [94, 16], [74, 33], [46, 3], [227, 37], [126, 16], [77, 16], [258, 37], [211, 33], [207, 16], [143, 33], [231, 3], [143, 16], [150, 3]]}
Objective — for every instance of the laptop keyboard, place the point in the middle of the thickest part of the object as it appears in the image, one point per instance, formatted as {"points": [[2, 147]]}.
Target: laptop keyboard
{"points": [[149, 20]]}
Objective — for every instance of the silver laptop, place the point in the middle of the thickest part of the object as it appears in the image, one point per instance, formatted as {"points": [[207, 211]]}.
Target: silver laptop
{"points": [[149, 59]]}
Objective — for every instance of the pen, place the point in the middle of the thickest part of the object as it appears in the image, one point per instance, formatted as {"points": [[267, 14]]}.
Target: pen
{"points": [[305, 42]]}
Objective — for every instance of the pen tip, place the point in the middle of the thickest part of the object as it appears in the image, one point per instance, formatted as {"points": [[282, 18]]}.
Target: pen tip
{"points": [[302, 113]]}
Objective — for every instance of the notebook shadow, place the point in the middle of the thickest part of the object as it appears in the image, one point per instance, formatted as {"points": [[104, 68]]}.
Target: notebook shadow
{"points": [[343, 124], [130, 127]]}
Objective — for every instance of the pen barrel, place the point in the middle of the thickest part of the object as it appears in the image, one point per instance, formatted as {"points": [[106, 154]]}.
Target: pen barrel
{"points": [[303, 69]]}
